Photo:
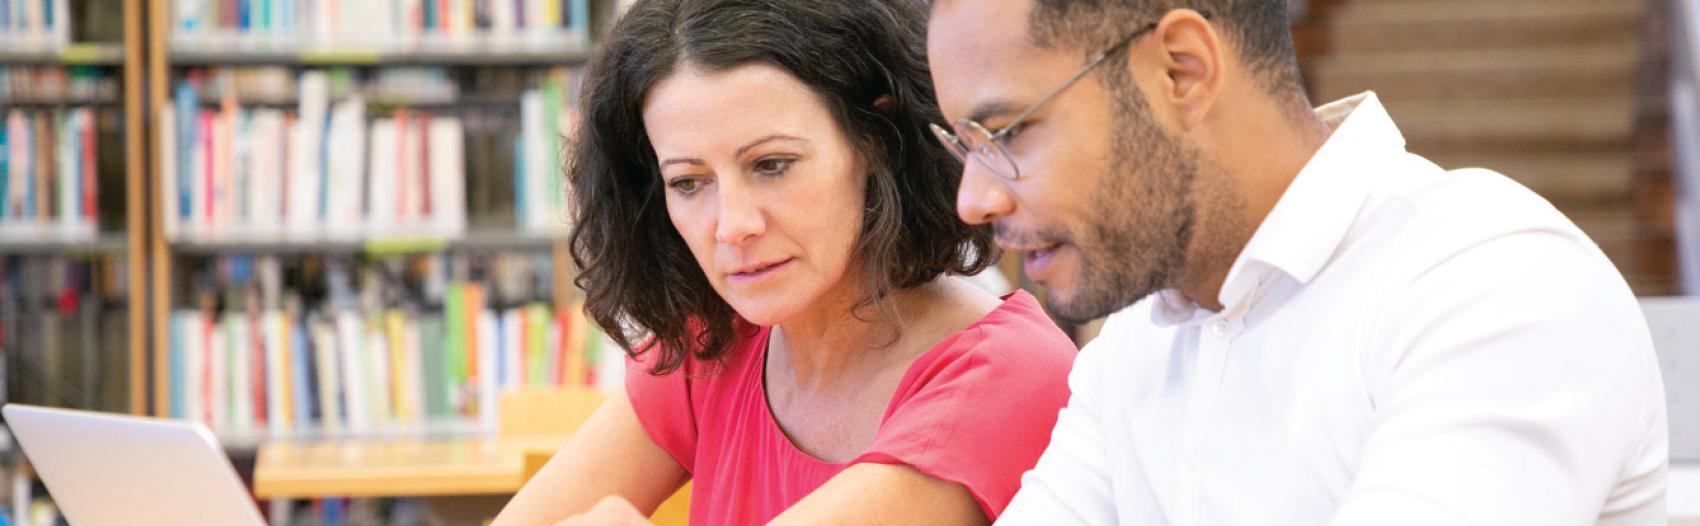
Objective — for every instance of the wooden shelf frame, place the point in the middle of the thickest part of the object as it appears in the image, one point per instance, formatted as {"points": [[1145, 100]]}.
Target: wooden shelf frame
{"points": [[136, 209]]}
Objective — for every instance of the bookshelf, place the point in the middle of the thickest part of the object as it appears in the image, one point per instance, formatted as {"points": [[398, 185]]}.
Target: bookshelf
{"points": [[100, 245], [479, 87], [70, 93], [73, 274], [76, 54]]}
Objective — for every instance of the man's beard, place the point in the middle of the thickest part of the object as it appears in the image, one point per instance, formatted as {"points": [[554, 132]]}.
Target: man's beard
{"points": [[1138, 245]]}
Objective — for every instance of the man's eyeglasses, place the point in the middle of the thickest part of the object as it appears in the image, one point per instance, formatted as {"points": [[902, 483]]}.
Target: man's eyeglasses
{"points": [[990, 148]]}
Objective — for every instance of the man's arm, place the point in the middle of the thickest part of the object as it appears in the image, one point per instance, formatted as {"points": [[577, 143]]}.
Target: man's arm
{"points": [[1516, 386]]}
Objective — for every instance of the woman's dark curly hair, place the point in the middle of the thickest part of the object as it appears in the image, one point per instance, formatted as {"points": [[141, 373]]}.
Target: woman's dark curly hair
{"points": [[635, 269]]}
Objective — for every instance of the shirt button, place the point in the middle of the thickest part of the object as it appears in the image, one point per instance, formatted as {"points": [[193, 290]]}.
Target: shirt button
{"points": [[1219, 328]]}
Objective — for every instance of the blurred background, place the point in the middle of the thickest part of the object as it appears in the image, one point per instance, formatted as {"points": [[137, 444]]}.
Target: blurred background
{"points": [[366, 346]]}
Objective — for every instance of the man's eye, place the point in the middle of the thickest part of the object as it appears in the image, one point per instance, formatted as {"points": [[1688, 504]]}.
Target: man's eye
{"points": [[1013, 132]]}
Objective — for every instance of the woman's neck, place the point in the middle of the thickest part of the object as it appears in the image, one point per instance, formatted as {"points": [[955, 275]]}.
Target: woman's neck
{"points": [[827, 345], [834, 343]]}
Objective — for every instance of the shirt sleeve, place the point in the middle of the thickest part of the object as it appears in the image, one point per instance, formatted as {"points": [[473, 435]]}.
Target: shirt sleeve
{"points": [[1528, 395], [1071, 484], [664, 409], [981, 415]]}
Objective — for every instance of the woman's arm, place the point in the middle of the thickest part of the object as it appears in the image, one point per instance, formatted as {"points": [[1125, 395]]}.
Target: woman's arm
{"points": [[871, 493], [610, 455]]}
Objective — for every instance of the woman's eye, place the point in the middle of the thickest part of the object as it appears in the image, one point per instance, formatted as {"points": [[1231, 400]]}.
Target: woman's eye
{"points": [[685, 185], [773, 166]]}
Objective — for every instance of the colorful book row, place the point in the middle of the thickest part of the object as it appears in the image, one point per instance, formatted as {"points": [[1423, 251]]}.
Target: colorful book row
{"points": [[49, 172], [378, 21], [322, 169], [270, 373], [56, 84], [35, 22]]}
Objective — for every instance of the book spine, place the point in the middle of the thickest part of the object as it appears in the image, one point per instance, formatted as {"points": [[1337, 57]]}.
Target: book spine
{"points": [[328, 361], [46, 180], [486, 360], [90, 167], [5, 176], [395, 331], [578, 18], [284, 415], [378, 380], [247, 406], [69, 170], [351, 348]]}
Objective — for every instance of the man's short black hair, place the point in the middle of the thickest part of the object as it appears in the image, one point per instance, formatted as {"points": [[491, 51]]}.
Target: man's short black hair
{"points": [[1257, 29]]}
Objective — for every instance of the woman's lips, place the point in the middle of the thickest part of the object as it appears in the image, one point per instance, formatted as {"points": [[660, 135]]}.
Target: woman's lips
{"points": [[758, 271]]}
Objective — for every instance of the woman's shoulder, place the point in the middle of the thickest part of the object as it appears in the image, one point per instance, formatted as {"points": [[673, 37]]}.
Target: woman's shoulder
{"points": [[694, 369], [1015, 340], [1018, 325]]}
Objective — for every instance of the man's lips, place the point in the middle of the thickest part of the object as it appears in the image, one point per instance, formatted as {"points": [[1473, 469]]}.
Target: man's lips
{"points": [[1037, 261]]}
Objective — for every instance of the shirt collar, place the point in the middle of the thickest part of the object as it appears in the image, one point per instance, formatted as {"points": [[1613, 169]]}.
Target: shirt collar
{"points": [[1312, 216]]}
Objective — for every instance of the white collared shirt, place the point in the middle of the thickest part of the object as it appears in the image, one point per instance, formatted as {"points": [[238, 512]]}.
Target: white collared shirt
{"points": [[1399, 345]]}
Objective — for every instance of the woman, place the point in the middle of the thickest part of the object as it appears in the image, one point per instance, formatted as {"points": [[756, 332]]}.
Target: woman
{"points": [[756, 189]]}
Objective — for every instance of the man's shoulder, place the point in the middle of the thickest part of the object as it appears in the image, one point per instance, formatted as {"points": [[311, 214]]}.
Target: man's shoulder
{"points": [[1434, 215], [1475, 199]]}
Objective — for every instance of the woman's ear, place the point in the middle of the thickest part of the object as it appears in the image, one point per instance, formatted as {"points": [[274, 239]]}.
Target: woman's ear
{"points": [[885, 103]]}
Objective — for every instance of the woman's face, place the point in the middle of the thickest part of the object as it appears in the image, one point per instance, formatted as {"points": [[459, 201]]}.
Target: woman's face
{"points": [[761, 183]]}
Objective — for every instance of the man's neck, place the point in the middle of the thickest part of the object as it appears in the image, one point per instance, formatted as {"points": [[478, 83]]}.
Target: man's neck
{"points": [[1258, 155]]}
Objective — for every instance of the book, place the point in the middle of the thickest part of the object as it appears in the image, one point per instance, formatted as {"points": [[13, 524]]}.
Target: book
{"points": [[330, 403]]}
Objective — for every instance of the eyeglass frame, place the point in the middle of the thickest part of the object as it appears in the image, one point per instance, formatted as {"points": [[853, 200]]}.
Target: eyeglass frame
{"points": [[999, 139]]}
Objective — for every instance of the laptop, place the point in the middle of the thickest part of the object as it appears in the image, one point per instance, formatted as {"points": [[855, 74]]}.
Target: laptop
{"points": [[1675, 324], [109, 469]]}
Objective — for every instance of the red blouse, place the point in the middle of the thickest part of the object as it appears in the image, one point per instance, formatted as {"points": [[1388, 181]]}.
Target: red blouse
{"points": [[976, 410]]}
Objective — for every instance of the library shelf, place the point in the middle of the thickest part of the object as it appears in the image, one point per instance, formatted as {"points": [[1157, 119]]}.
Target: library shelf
{"points": [[82, 54]]}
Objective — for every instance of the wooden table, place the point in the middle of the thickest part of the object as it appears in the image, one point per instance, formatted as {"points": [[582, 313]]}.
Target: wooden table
{"points": [[469, 478], [536, 421], [398, 467]]}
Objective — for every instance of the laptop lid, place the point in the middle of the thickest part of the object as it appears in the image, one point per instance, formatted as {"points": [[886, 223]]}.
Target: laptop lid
{"points": [[110, 469]]}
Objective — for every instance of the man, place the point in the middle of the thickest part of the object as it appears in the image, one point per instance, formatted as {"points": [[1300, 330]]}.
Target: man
{"points": [[1310, 325]]}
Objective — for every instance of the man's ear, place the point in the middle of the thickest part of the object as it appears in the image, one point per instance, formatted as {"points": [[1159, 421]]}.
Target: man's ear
{"points": [[1192, 58]]}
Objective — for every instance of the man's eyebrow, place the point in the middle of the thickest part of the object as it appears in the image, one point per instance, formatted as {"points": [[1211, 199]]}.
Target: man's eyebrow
{"points": [[993, 108]]}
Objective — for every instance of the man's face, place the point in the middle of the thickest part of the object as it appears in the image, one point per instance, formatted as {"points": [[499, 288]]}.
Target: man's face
{"points": [[1103, 208]]}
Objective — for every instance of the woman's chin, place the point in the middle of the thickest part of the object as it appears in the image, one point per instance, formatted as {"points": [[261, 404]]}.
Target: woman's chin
{"points": [[763, 311]]}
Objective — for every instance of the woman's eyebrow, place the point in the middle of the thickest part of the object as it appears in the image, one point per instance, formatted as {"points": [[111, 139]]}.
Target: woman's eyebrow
{"points": [[764, 140], [682, 160], [740, 153]]}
